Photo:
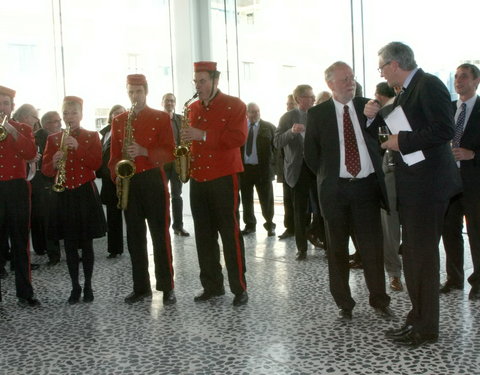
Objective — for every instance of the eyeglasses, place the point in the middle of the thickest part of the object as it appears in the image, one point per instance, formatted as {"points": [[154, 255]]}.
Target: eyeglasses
{"points": [[380, 70]]}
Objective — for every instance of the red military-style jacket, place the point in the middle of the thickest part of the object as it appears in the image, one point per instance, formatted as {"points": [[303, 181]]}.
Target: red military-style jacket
{"points": [[225, 123], [81, 164], [152, 130], [15, 152]]}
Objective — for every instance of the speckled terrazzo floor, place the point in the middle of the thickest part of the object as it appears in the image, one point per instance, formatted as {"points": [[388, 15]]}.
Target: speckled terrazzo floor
{"points": [[288, 327]]}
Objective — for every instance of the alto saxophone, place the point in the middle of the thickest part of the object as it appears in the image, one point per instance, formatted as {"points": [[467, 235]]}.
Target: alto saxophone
{"points": [[61, 176], [3, 130], [125, 168], [182, 151]]}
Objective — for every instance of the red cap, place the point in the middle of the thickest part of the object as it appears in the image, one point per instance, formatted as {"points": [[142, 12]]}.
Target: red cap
{"points": [[136, 79], [6, 91], [205, 66], [74, 99]]}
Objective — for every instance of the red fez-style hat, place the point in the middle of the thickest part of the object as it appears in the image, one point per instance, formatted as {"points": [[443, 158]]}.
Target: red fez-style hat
{"points": [[74, 99], [6, 91], [136, 79], [205, 66]]}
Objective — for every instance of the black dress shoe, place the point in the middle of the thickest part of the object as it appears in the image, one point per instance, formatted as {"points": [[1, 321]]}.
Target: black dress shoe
{"points": [[398, 332], [34, 266], [301, 255], [206, 295], [28, 302], [449, 286], [240, 299], [345, 314], [52, 262], [248, 231], [88, 295], [415, 339], [111, 256], [75, 296], [271, 233], [474, 294], [314, 240], [169, 298], [181, 232], [385, 312], [137, 297], [286, 234]]}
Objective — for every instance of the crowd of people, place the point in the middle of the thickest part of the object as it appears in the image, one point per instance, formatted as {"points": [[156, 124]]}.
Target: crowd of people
{"points": [[391, 175]]}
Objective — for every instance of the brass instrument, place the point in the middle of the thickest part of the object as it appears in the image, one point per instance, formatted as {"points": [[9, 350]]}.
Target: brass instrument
{"points": [[61, 176], [182, 151], [3, 130], [125, 168]]}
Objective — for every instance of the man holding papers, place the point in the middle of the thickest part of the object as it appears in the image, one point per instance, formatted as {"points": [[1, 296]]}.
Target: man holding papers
{"points": [[424, 184]]}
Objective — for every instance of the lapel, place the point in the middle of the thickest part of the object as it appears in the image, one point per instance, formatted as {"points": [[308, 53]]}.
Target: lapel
{"points": [[402, 99], [472, 125]]}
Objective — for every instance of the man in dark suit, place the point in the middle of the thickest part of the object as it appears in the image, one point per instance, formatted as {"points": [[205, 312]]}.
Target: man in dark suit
{"points": [[258, 157], [108, 192], [345, 156], [289, 136], [465, 145], [168, 103], [424, 188]]}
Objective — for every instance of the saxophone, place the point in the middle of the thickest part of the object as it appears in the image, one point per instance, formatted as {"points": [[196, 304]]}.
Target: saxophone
{"points": [[3, 130], [61, 176], [182, 151], [125, 168]]}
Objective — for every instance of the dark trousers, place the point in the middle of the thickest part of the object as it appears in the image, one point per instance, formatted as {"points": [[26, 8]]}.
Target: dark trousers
{"points": [[148, 203], [301, 197], [289, 217], [40, 200], [254, 177], [468, 205], [15, 217], [214, 207], [115, 229], [73, 262], [358, 211], [176, 195], [421, 230]]}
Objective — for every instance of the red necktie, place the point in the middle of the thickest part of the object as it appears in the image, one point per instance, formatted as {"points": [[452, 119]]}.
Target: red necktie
{"points": [[352, 157]]}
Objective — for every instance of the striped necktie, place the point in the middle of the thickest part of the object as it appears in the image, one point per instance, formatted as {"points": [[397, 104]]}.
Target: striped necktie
{"points": [[459, 126]]}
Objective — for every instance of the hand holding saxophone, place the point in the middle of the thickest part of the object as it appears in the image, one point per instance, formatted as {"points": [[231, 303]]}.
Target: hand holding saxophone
{"points": [[135, 150], [189, 134]]}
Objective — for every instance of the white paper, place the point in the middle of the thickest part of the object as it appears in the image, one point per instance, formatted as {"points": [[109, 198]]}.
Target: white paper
{"points": [[397, 121]]}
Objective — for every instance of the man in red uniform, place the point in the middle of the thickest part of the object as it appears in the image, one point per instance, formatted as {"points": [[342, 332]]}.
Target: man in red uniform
{"points": [[15, 150], [148, 193], [218, 130]]}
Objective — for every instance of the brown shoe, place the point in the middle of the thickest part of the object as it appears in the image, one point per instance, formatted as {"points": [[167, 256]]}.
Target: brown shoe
{"points": [[396, 284]]}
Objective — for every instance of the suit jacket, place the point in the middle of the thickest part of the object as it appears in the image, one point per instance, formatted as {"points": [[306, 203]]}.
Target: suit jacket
{"points": [[427, 106], [108, 192], [322, 151], [470, 169], [265, 150], [292, 145]]}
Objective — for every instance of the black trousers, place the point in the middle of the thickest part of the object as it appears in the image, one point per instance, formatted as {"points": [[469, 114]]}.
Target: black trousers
{"points": [[465, 204], [301, 206], [215, 210], [115, 229], [358, 211], [176, 195], [41, 200], [421, 230], [148, 203], [288, 218], [254, 177], [14, 218]]}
